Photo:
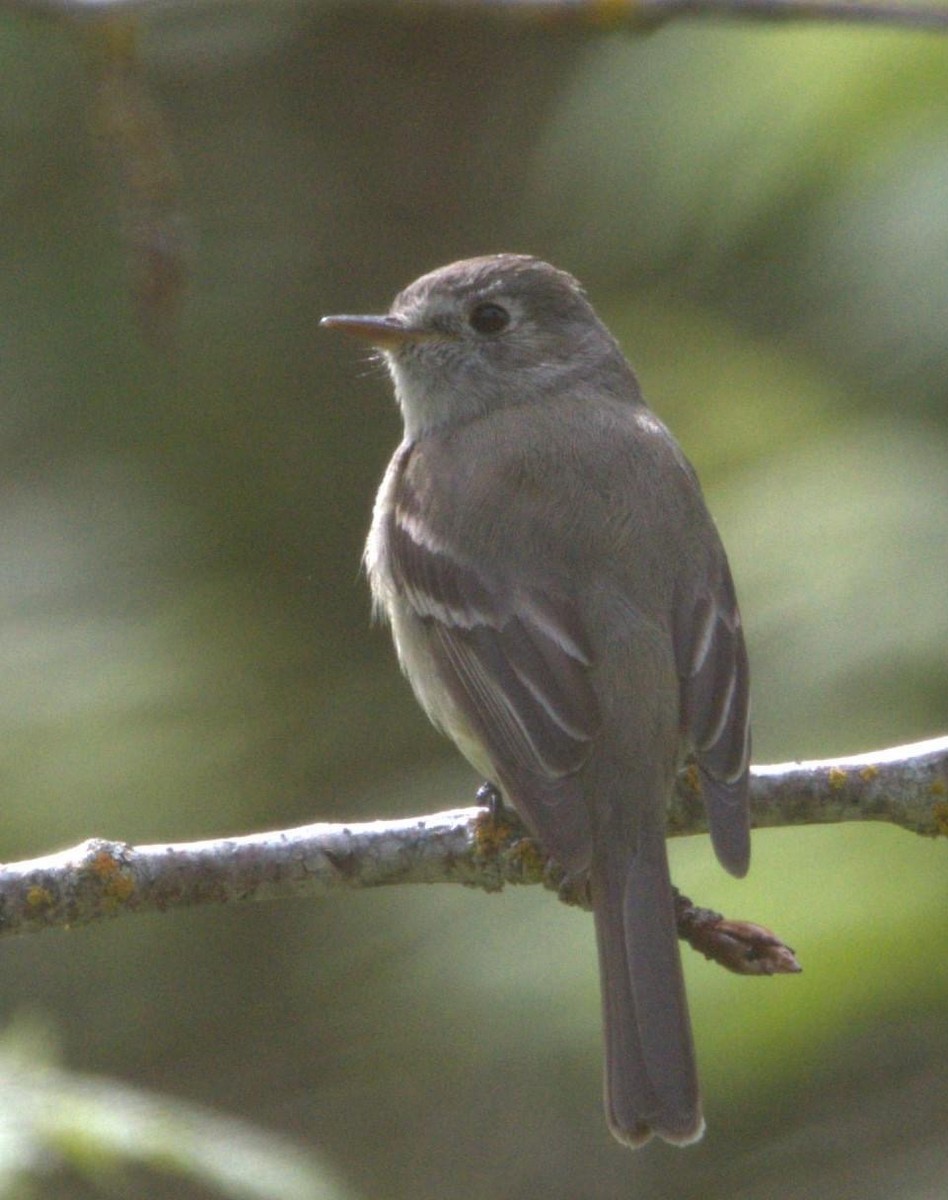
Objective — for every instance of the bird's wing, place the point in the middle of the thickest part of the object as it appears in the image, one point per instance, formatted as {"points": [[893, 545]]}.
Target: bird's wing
{"points": [[514, 661], [715, 710]]}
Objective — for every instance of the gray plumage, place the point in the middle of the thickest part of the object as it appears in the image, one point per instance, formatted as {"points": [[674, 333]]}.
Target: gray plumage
{"points": [[562, 605]]}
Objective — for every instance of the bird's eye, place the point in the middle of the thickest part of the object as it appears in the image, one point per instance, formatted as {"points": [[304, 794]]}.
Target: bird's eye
{"points": [[489, 318]]}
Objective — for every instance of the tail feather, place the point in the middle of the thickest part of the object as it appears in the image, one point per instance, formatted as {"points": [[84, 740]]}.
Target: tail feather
{"points": [[651, 1084]]}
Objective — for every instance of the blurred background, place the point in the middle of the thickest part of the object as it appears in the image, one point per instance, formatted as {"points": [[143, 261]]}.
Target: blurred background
{"points": [[187, 467]]}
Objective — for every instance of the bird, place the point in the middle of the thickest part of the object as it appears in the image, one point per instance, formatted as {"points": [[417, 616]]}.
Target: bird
{"points": [[562, 605]]}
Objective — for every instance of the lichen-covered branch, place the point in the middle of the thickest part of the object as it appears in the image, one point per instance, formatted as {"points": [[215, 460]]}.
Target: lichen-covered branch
{"points": [[907, 786], [904, 785]]}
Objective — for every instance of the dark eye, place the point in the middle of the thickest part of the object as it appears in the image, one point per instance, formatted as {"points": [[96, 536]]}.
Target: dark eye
{"points": [[489, 318]]}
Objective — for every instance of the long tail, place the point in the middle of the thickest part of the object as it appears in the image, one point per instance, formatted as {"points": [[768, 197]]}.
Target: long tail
{"points": [[651, 1084]]}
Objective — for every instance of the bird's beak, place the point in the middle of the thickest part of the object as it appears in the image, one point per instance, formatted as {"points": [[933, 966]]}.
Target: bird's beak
{"points": [[383, 332]]}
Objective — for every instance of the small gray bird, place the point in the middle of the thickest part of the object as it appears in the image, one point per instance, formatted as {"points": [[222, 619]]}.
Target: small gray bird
{"points": [[562, 605]]}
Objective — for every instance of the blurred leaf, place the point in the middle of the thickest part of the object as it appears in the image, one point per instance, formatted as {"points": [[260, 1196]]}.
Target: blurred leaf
{"points": [[790, 114], [50, 1118]]}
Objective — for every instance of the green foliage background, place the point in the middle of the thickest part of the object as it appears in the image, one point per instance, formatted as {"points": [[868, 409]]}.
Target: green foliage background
{"points": [[762, 216]]}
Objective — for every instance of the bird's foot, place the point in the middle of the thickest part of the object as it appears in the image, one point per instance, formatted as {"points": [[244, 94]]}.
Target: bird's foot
{"points": [[571, 887], [489, 797]]}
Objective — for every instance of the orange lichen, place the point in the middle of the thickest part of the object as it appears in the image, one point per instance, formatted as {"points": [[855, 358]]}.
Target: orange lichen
{"points": [[39, 897], [529, 854], [867, 774], [491, 833], [118, 882], [837, 778]]}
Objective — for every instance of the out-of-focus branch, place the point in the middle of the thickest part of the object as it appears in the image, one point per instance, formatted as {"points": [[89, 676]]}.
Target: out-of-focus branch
{"points": [[134, 133], [645, 12], [630, 13], [907, 786]]}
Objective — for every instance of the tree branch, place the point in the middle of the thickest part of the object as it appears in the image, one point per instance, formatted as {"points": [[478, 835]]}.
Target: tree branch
{"points": [[635, 14], [904, 785], [907, 786], [658, 12]]}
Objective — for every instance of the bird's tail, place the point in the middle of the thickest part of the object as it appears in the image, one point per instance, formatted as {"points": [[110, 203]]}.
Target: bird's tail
{"points": [[651, 1085]]}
